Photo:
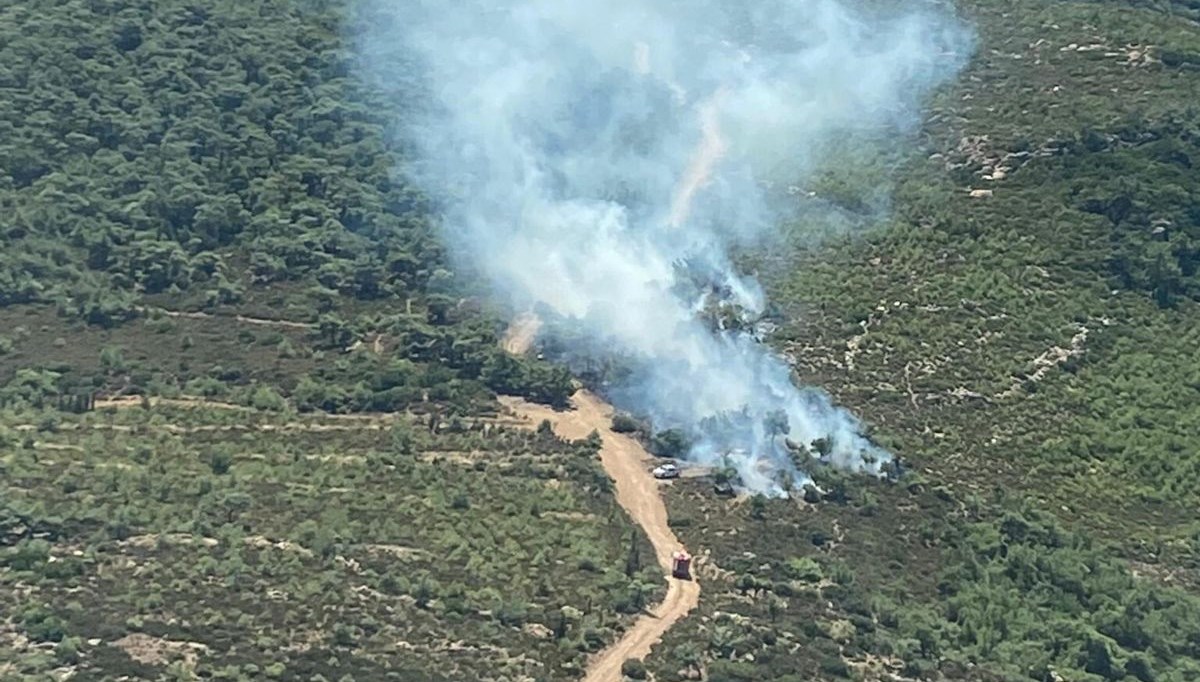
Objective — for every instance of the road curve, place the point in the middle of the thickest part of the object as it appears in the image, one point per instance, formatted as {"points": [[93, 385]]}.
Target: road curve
{"points": [[637, 492]]}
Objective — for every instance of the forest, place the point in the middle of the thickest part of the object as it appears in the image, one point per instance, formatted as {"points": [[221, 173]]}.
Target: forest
{"points": [[221, 156], [1022, 327], [248, 418]]}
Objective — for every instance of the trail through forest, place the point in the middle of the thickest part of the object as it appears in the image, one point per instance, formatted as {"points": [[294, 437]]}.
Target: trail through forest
{"points": [[637, 492], [260, 321]]}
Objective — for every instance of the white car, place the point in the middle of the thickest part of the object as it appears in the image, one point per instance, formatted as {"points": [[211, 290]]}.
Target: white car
{"points": [[666, 471]]}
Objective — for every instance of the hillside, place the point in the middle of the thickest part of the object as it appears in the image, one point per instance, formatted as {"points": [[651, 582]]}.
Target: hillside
{"points": [[1023, 328], [202, 208]]}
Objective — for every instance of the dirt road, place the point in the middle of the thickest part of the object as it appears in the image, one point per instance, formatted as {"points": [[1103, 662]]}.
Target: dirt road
{"points": [[637, 492], [260, 321]]}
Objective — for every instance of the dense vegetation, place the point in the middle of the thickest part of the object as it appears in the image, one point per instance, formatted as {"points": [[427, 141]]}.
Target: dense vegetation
{"points": [[1022, 327], [220, 156], [1022, 337], [201, 201], [221, 541], [907, 580]]}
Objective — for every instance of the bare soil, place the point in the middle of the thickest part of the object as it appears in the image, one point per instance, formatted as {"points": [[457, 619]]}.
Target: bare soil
{"points": [[260, 321]]}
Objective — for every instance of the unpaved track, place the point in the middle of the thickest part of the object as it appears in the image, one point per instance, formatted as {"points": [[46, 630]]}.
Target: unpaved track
{"points": [[626, 463], [132, 401], [260, 321], [312, 422]]}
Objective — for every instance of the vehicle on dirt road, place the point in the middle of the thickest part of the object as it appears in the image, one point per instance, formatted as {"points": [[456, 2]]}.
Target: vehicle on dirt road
{"points": [[681, 565], [666, 471]]}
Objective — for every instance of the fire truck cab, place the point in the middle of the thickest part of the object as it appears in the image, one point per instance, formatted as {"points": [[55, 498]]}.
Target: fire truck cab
{"points": [[681, 565]]}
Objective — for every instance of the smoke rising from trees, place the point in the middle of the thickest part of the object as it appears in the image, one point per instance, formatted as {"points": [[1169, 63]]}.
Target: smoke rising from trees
{"points": [[598, 160]]}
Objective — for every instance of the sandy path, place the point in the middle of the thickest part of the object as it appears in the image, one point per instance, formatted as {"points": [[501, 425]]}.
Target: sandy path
{"points": [[637, 492], [264, 322], [313, 422], [196, 402], [132, 401]]}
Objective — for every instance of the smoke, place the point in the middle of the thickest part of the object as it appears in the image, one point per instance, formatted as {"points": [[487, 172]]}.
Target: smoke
{"points": [[598, 160]]}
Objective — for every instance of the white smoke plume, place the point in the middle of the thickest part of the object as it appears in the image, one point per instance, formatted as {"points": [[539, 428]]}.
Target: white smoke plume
{"points": [[592, 156]]}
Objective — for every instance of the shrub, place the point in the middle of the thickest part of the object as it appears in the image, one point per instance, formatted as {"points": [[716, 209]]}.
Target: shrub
{"points": [[267, 399], [670, 443], [343, 635], [833, 665], [623, 423], [634, 669], [67, 651], [730, 671], [41, 625], [803, 568], [403, 440], [512, 613], [220, 461], [27, 555], [758, 507]]}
